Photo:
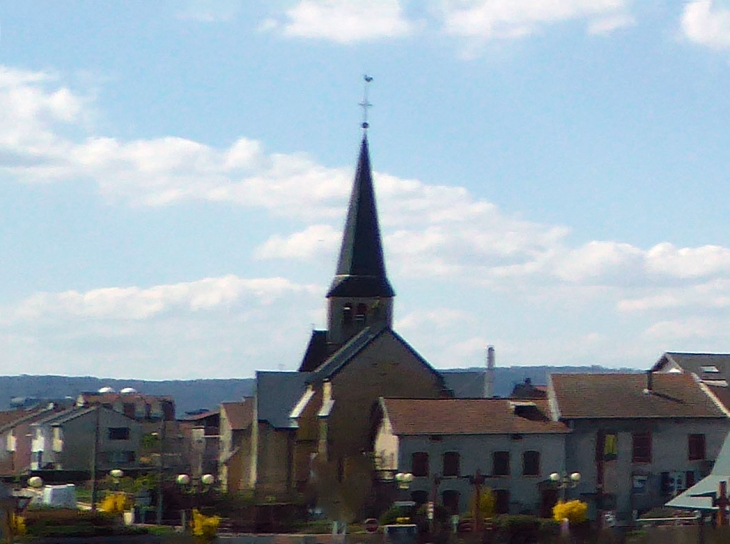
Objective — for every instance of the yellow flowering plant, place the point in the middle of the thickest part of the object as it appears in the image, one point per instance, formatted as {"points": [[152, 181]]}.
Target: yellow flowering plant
{"points": [[204, 527], [116, 503], [574, 511]]}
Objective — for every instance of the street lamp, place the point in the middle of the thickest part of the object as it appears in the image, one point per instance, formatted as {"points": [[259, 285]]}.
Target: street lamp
{"points": [[183, 480], [403, 479], [116, 474], [565, 481]]}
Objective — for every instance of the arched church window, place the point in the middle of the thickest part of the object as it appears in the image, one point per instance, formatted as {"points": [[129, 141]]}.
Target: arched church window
{"points": [[362, 312], [347, 314]]}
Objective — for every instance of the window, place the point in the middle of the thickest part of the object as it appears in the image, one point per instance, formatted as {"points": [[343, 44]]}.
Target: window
{"points": [[689, 478], [450, 500], [501, 501], [696, 447], [641, 448], [451, 463], [419, 497], [500, 463], [120, 457], [710, 369], [531, 463], [419, 463], [610, 446], [347, 314], [362, 313], [118, 433]]}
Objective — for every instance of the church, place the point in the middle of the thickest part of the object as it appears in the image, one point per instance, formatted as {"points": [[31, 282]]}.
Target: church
{"points": [[320, 419]]}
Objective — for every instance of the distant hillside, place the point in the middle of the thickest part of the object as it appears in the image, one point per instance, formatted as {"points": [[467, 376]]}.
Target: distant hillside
{"points": [[505, 378], [189, 395], [192, 395]]}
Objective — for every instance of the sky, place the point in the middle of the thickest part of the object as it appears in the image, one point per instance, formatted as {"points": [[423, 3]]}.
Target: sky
{"points": [[551, 175]]}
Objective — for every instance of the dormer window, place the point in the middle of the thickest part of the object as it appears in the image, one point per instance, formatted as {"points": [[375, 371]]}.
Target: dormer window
{"points": [[347, 314], [362, 313], [710, 369]]}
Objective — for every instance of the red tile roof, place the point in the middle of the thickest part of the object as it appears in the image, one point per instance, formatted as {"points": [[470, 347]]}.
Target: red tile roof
{"points": [[598, 396], [469, 416], [239, 414]]}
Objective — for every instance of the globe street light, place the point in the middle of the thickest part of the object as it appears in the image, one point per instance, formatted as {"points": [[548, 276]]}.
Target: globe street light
{"points": [[36, 482], [403, 480], [116, 474], [565, 481]]}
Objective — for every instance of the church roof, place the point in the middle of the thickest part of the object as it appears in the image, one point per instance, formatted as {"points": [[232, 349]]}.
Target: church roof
{"points": [[361, 266], [356, 345], [316, 353], [276, 394]]}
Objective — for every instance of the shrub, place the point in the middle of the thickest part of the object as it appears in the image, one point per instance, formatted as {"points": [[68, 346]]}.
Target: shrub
{"points": [[17, 525], [116, 503], [204, 527], [487, 504], [575, 511]]}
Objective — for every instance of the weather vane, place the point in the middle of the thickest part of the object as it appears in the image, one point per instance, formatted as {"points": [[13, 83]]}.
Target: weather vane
{"points": [[365, 104]]}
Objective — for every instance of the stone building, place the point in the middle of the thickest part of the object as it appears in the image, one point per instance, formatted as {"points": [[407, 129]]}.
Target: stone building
{"points": [[448, 444], [636, 438]]}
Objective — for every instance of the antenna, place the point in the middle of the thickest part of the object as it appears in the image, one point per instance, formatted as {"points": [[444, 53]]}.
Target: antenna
{"points": [[365, 104]]}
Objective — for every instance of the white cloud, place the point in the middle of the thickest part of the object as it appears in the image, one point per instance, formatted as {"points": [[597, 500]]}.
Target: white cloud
{"points": [[705, 23], [510, 19], [314, 241], [343, 21], [215, 327], [136, 303]]}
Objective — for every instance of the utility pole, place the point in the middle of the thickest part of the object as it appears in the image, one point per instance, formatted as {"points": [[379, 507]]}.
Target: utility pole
{"points": [[160, 471], [94, 456]]}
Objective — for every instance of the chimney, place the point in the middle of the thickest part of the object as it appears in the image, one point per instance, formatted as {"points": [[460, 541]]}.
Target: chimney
{"points": [[649, 382], [489, 374]]}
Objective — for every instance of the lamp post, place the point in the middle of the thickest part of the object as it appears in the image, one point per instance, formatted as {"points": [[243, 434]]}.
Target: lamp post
{"points": [[117, 474], [183, 480], [565, 481], [477, 481]]}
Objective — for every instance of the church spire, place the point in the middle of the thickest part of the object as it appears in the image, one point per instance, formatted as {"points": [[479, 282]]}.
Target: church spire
{"points": [[361, 267]]}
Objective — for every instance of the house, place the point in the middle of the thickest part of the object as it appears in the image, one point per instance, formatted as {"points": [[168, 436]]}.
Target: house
{"points": [[138, 406], [446, 443], [712, 369], [236, 420], [66, 440], [201, 438], [16, 437], [634, 434]]}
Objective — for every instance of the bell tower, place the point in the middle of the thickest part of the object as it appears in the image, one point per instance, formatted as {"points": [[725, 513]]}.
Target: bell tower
{"points": [[360, 295]]}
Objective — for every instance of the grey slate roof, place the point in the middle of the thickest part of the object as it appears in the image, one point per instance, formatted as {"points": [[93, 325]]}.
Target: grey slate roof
{"points": [[465, 384], [709, 484], [361, 266], [698, 363], [316, 353], [276, 395]]}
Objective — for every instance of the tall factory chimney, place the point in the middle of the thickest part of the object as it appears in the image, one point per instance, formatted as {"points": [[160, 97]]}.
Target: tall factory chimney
{"points": [[489, 374]]}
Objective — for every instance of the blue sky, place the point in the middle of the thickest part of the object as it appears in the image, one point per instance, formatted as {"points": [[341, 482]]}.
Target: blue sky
{"points": [[551, 175]]}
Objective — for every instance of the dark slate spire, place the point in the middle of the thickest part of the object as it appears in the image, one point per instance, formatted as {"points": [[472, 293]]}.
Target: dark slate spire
{"points": [[361, 268]]}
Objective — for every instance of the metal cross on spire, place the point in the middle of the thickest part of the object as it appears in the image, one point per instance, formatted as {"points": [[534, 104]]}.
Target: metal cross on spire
{"points": [[365, 104]]}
